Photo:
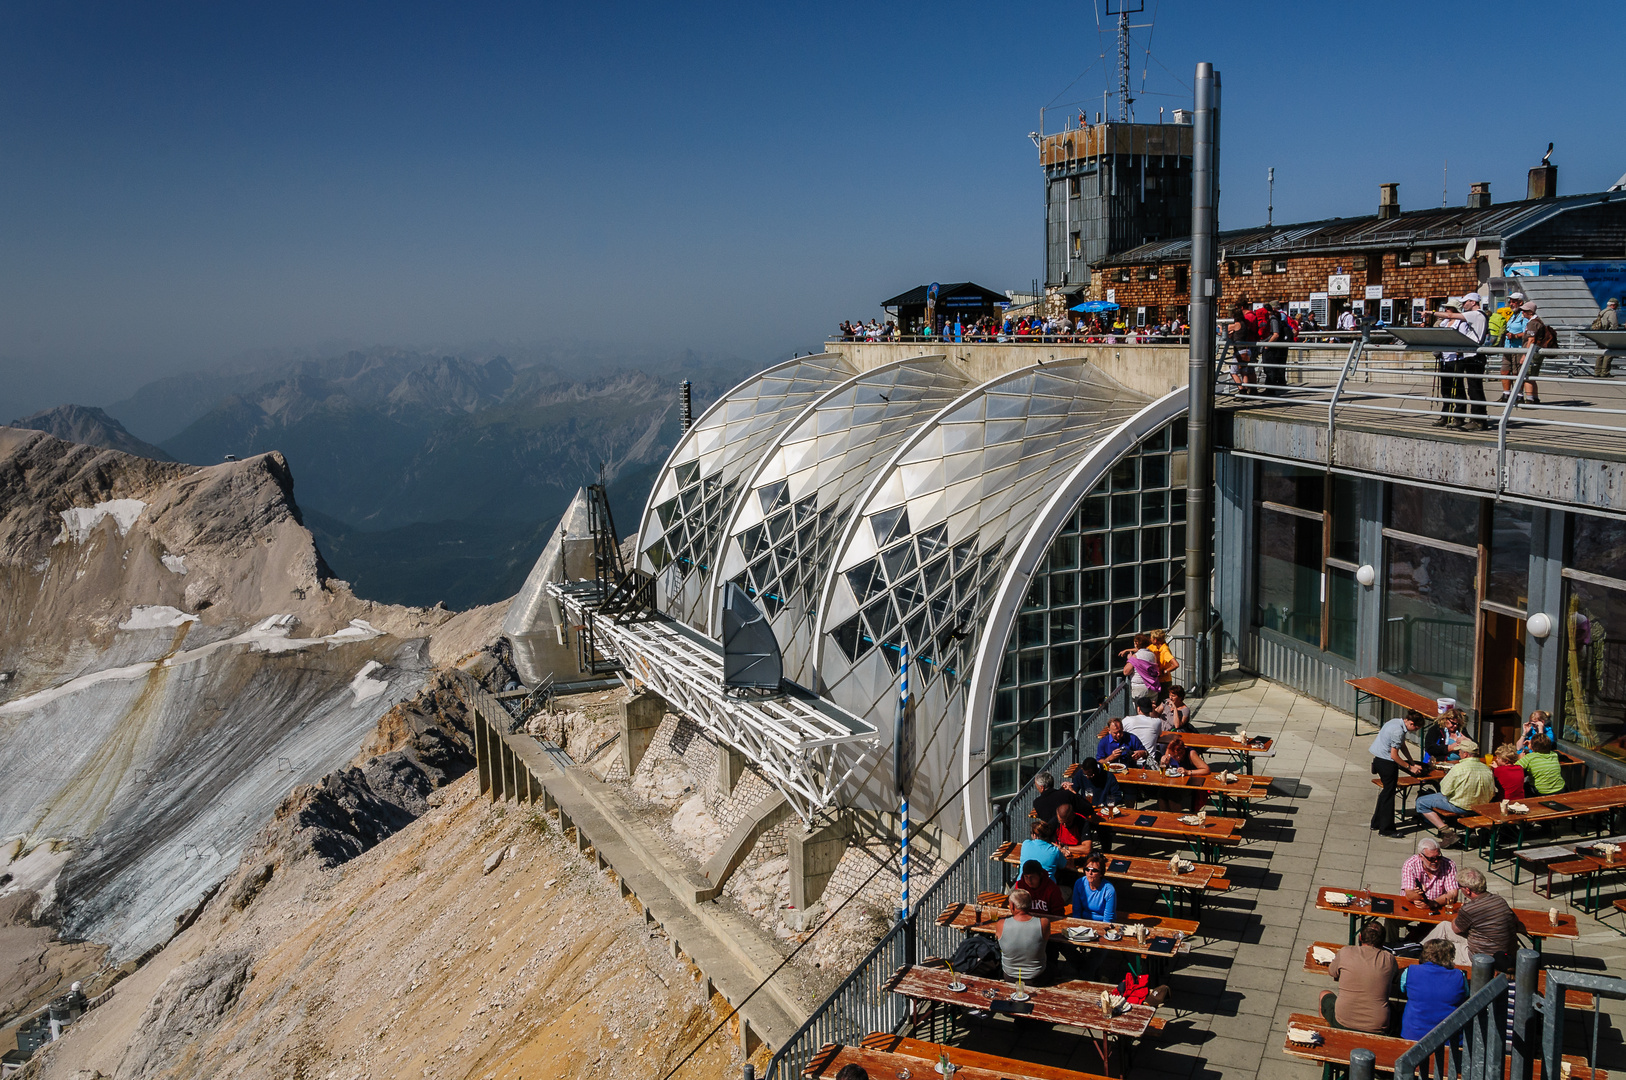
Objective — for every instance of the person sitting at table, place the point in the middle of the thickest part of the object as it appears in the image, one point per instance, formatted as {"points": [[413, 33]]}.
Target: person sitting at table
{"points": [[1428, 877], [1433, 987], [1508, 773], [1045, 897], [1094, 897], [1051, 798], [1072, 831], [1483, 924], [1466, 784], [1177, 755], [1389, 755], [1365, 973], [1176, 713], [1447, 741], [1099, 785], [1540, 723], [1023, 937], [1146, 724], [1041, 848], [1545, 769], [1118, 747]]}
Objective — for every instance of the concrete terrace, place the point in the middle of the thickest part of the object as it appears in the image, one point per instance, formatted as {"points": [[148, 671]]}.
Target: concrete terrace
{"points": [[1232, 995]]}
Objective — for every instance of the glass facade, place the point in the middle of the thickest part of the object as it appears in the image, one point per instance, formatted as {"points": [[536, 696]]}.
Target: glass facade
{"points": [[1117, 567], [1594, 663]]}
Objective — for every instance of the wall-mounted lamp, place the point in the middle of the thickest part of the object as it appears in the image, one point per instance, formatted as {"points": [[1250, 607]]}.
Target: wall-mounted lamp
{"points": [[1366, 576], [1540, 625]]}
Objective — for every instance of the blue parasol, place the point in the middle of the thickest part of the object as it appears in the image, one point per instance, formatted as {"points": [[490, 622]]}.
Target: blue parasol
{"points": [[1095, 305]]}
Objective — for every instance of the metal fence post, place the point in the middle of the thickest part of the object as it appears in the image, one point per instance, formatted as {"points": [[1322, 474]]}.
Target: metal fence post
{"points": [[1362, 1064], [750, 1070], [1483, 971], [1526, 1018]]}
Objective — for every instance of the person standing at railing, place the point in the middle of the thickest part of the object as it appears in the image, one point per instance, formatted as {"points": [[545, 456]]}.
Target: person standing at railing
{"points": [[1608, 319], [1242, 334], [1460, 381]]}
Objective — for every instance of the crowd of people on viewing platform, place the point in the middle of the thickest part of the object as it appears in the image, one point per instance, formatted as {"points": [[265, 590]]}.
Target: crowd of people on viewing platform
{"points": [[1106, 329]]}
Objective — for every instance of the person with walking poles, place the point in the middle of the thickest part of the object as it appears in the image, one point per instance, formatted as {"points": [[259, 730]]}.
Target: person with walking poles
{"points": [[1389, 755]]}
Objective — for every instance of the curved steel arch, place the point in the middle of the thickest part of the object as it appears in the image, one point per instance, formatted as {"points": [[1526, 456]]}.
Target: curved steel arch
{"points": [[678, 533], [807, 482], [1040, 534], [973, 477]]}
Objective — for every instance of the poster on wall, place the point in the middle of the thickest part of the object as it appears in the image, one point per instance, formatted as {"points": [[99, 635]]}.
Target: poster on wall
{"points": [[1338, 284]]}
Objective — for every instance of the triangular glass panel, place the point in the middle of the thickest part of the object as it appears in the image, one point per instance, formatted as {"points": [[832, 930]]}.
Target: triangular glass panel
{"points": [[932, 541], [865, 580], [772, 496], [898, 561], [847, 639], [884, 522]]}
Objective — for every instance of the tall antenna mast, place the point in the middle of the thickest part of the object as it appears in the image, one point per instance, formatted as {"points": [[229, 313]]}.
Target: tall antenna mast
{"points": [[1270, 199], [1122, 9]]}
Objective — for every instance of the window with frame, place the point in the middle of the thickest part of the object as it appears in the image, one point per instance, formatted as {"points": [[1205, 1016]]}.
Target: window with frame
{"points": [[1306, 548], [1121, 274], [1148, 273], [1432, 552]]}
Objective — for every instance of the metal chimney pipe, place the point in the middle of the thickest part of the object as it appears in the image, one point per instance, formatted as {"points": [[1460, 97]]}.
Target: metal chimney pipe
{"points": [[1200, 390], [686, 413]]}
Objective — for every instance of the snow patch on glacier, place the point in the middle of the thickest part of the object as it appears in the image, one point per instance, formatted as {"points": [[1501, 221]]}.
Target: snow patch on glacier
{"points": [[175, 564], [364, 686], [156, 617], [78, 522]]}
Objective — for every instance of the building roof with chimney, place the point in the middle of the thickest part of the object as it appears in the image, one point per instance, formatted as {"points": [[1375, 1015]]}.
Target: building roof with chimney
{"points": [[1574, 226]]}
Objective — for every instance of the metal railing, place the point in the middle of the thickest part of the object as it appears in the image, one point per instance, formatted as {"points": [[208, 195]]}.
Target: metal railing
{"points": [[1476, 1042], [1372, 378], [860, 1005], [1122, 338]]}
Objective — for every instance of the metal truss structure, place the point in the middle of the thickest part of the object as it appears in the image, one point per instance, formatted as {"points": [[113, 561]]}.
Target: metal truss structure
{"points": [[792, 738]]}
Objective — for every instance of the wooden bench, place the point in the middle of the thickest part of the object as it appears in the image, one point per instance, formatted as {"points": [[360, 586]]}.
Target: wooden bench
{"points": [[1201, 878], [1337, 1044], [932, 1053], [1384, 690]]}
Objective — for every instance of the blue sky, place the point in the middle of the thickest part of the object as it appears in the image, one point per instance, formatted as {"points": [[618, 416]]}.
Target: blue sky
{"points": [[184, 183]]}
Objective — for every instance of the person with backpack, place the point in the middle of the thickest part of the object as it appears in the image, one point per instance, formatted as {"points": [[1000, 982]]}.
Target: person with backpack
{"points": [[1273, 326], [1542, 336], [1242, 333]]}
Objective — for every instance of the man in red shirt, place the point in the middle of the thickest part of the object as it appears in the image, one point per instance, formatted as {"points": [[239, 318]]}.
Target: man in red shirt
{"points": [[1048, 901]]}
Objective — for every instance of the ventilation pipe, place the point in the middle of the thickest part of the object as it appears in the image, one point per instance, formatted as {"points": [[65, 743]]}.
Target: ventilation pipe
{"points": [[1200, 377]]}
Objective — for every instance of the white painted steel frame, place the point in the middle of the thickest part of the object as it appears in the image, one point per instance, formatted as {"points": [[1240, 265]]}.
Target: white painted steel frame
{"points": [[790, 739]]}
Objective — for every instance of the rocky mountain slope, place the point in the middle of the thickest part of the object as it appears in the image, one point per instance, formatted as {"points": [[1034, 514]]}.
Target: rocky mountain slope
{"points": [[411, 960], [91, 426], [178, 657]]}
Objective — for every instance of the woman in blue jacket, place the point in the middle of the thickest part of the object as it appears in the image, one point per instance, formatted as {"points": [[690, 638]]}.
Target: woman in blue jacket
{"points": [[1433, 989]]}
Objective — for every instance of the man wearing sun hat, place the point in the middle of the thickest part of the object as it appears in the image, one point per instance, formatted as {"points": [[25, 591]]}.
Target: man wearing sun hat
{"points": [[1464, 394], [1608, 319]]}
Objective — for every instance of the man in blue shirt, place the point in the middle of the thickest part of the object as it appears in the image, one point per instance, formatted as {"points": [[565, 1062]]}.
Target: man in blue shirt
{"points": [[1096, 784], [1118, 746], [1389, 756]]}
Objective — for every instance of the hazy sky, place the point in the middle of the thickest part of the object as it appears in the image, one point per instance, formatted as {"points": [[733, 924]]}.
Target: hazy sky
{"points": [[180, 183]]}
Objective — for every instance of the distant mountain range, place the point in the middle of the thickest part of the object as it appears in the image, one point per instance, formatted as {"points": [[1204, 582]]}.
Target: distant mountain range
{"points": [[90, 426], [424, 478]]}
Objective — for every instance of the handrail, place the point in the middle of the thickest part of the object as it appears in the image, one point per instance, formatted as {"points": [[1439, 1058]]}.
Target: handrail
{"points": [[1513, 396], [1356, 347]]}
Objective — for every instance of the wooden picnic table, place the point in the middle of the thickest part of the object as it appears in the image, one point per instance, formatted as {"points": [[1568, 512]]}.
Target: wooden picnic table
{"points": [[1154, 872], [1534, 924], [931, 1053], [831, 1059], [1162, 943], [1338, 1043], [1245, 787], [1544, 808], [1188, 927], [1074, 1004], [1205, 839], [1256, 746], [1575, 999]]}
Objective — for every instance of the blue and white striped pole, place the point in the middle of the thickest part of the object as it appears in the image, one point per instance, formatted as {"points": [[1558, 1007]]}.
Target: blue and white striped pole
{"points": [[900, 751]]}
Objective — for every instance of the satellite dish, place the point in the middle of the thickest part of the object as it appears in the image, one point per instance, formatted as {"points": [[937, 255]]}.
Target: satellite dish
{"points": [[751, 658]]}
